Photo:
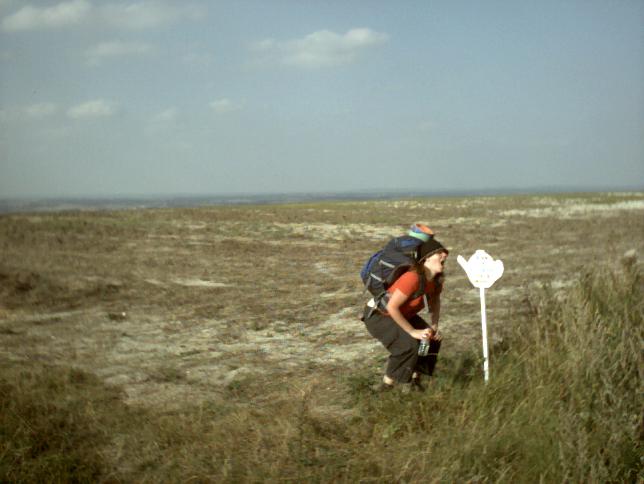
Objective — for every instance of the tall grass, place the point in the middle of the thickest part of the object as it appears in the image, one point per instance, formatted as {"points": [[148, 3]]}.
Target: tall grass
{"points": [[564, 404]]}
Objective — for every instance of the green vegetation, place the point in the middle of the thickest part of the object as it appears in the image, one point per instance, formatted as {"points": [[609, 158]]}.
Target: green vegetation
{"points": [[563, 405]]}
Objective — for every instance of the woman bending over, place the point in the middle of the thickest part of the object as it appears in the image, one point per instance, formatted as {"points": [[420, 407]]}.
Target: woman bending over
{"points": [[400, 328]]}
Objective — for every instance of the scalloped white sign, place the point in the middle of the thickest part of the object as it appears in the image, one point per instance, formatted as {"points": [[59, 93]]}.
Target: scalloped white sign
{"points": [[481, 269]]}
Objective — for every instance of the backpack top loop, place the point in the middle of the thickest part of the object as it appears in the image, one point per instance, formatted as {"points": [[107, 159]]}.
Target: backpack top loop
{"points": [[421, 232]]}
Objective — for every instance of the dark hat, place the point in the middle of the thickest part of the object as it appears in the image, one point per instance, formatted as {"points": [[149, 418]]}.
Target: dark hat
{"points": [[429, 248]]}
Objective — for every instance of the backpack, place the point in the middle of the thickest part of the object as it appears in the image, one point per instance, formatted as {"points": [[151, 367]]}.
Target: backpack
{"points": [[385, 266]]}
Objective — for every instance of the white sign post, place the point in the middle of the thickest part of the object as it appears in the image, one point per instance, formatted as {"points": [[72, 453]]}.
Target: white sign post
{"points": [[482, 271]]}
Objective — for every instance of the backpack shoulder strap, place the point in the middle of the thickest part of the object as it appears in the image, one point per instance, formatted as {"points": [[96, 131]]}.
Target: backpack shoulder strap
{"points": [[421, 287], [382, 299]]}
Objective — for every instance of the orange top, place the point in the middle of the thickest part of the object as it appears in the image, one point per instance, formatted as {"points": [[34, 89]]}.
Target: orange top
{"points": [[408, 284]]}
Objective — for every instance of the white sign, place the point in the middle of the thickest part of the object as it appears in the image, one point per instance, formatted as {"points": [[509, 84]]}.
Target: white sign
{"points": [[482, 271]]}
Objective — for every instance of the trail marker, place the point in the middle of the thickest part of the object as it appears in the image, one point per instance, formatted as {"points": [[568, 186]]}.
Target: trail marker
{"points": [[482, 271]]}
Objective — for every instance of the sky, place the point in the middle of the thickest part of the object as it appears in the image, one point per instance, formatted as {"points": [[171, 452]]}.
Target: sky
{"points": [[154, 97]]}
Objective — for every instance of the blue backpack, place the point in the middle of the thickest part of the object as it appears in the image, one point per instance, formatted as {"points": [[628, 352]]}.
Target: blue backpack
{"points": [[385, 266]]}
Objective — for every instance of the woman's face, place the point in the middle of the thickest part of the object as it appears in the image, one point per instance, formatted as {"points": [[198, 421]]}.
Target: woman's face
{"points": [[435, 263]]}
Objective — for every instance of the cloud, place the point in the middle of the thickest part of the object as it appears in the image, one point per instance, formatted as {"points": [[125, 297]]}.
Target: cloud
{"points": [[323, 48], [62, 15], [114, 49], [265, 45], [166, 116], [224, 105], [41, 110], [147, 14], [98, 108], [161, 123]]}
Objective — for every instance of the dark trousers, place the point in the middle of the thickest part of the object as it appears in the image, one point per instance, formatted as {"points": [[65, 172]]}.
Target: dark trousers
{"points": [[403, 349]]}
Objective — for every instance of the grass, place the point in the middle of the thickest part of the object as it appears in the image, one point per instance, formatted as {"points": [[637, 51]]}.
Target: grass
{"points": [[563, 405], [242, 383], [52, 426]]}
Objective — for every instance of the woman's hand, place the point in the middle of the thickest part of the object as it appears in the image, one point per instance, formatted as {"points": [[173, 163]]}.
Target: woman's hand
{"points": [[421, 333]]}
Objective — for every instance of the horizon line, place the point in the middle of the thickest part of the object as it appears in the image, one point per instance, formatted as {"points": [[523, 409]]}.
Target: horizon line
{"points": [[369, 192]]}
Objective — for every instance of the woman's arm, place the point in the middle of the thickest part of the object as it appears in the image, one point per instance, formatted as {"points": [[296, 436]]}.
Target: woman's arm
{"points": [[396, 300], [435, 305]]}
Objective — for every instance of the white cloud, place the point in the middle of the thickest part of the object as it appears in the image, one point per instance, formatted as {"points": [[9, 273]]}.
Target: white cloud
{"points": [[131, 16], [264, 45], [224, 105], [114, 49], [64, 14], [147, 14], [166, 116], [41, 110], [323, 48], [92, 109], [162, 123]]}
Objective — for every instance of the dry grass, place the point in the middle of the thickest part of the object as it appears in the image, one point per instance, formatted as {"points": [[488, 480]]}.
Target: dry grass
{"points": [[222, 343]]}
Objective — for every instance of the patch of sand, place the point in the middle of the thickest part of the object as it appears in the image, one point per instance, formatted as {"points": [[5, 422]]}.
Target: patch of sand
{"points": [[574, 210], [349, 231], [198, 283]]}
